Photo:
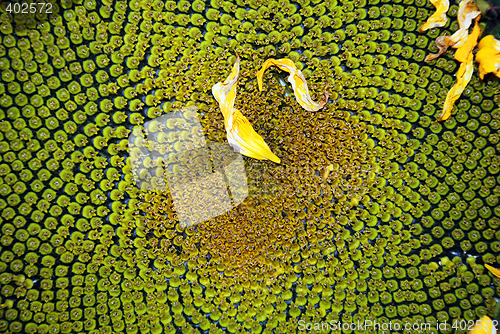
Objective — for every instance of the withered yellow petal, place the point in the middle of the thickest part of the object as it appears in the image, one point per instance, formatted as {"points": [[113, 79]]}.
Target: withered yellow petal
{"points": [[284, 64], [493, 270], [439, 18], [298, 81], [245, 140], [488, 56], [464, 75], [463, 51], [467, 11], [225, 92], [442, 43], [484, 326], [240, 133]]}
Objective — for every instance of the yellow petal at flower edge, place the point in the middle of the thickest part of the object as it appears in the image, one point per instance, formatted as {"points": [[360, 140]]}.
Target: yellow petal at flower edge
{"points": [[464, 75], [245, 140], [439, 18], [493, 270], [488, 56], [467, 11], [240, 133], [484, 326], [298, 81]]}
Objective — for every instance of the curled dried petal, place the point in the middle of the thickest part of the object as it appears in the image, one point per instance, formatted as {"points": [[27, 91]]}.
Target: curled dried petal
{"points": [[463, 51], [225, 92], [298, 81], [439, 18], [240, 133], [467, 12], [245, 140], [464, 75]]}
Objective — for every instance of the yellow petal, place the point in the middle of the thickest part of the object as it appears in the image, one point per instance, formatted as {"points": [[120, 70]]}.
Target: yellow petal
{"points": [[298, 81], [464, 75], [493, 270], [463, 52], [284, 64], [245, 140], [439, 18], [488, 56], [467, 11], [240, 133], [484, 326], [225, 92]]}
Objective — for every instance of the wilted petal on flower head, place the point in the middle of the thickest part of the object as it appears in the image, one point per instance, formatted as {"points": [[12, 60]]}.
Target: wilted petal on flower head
{"points": [[464, 75], [245, 140], [284, 64], [240, 132], [488, 56], [467, 12], [225, 92], [442, 43], [438, 19], [298, 81], [327, 171], [462, 53]]}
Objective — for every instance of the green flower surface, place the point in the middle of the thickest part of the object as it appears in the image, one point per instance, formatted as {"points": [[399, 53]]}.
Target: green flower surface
{"points": [[398, 230]]}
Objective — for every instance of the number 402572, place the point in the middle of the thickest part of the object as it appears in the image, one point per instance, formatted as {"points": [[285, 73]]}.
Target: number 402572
{"points": [[478, 325], [32, 8]]}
